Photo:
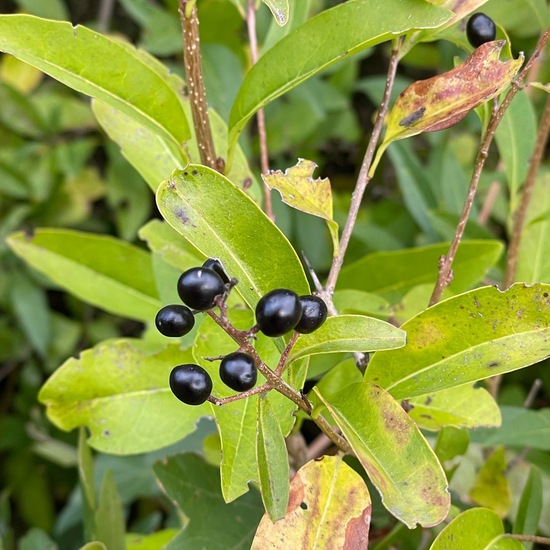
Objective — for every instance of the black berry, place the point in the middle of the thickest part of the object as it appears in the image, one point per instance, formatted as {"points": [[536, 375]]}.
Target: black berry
{"points": [[174, 320], [216, 265], [190, 384], [480, 29], [238, 371], [314, 314], [278, 312], [199, 286]]}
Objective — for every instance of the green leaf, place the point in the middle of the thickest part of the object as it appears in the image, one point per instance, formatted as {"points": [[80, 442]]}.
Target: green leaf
{"points": [[390, 448], [103, 271], [491, 488], [329, 507], [273, 467], [530, 507], [106, 385], [280, 10], [451, 442], [70, 55], [198, 202], [392, 274], [475, 529], [86, 481], [194, 486], [299, 190], [357, 301], [352, 27], [505, 331], [444, 100], [348, 333], [463, 406], [36, 539], [515, 138], [520, 428], [109, 516], [534, 252], [139, 541]]}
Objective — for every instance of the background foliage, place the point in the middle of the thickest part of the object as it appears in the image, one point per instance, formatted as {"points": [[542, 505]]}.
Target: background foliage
{"points": [[79, 207]]}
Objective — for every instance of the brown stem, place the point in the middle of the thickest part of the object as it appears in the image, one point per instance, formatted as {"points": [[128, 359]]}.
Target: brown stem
{"points": [[521, 213], [362, 181], [530, 538], [446, 263], [284, 356], [260, 115], [195, 83]]}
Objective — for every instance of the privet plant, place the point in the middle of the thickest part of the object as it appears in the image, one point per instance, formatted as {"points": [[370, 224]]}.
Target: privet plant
{"points": [[320, 367]]}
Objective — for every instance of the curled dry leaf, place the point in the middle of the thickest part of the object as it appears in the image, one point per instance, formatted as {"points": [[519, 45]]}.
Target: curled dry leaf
{"points": [[444, 100]]}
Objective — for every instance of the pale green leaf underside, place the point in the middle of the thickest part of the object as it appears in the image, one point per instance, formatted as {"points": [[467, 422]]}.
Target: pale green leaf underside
{"points": [[99, 67], [395, 455], [466, 338], [331, 36], [222, 222], [348, 333], [103, 271], [120, 391]]}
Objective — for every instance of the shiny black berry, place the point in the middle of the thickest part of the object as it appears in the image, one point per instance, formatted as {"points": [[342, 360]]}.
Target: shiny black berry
{"points": [[480, 29], [174, 320], [238, 371], [278, 312], [198, 287], [314, 314], [190, 384], [216, 265]]}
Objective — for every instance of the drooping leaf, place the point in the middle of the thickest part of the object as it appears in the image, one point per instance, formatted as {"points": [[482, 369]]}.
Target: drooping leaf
{"points": [[105, 387], [194, 485], [70, 55], [198, 202], [101, 270], [475, 529], [530, 507], [109, 516], [444, 100], [348, 333], [299, 190], [273, 467], [352, 27], [329, 507], [390, 447], [392, 274], [463, 406], [505, 331], [280, 10], [491, 488]]}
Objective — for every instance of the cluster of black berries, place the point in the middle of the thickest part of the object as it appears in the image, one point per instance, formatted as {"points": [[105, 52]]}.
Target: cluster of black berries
{"points": [[480, 29], [277, 313]]}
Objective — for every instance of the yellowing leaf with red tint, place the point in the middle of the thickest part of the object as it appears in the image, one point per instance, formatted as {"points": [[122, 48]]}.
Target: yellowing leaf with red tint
{"points": [[329, 507]]}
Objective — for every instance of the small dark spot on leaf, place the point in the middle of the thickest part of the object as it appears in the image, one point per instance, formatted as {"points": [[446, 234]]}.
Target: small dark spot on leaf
{"points": [[429, 416], [493, 364], [412, 118], [545, 294], [106, 433], [195, 173], [303, 506], [186, 173], [428, 400]]}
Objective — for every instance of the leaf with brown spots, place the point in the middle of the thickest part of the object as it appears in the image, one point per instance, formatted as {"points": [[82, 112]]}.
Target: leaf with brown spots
{"points": [[469, 337], [394, 453], [329, 507], [444, 100]]}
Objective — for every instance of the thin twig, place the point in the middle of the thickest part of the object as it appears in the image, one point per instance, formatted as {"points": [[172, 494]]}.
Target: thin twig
{"points": [[530, 538], [521, 213], [260, 115], [445, 267], [195, 83], [487, 208], [104, 15], [362, 180], [535, 387]]}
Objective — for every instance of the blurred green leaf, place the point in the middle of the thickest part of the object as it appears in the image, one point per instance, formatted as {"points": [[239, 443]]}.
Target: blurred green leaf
{"points": [[475, 529], [98, 269], [36, 539], [86, 481], [389, 446], [505, 331], [109, 515], [530, 507], [352, 26], [392, 274], [348, 333], [70, 55], [138, 541], [106, 386], [195, 487], [329, 506], [357, 301], [53, 9], [198, 202], [451, 442]]}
